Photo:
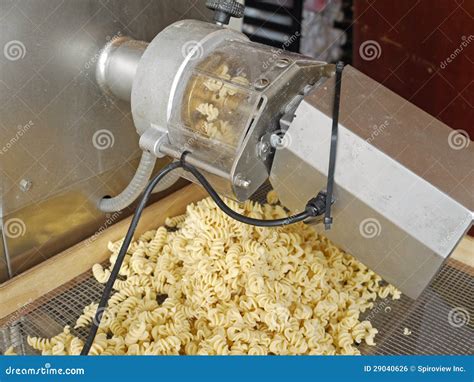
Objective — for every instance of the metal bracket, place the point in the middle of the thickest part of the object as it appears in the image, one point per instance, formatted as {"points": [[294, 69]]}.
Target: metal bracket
{"points": [[152, 140]]}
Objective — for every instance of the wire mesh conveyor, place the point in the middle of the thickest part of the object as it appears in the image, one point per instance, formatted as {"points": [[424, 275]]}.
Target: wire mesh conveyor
{"points": [[439, 321]]}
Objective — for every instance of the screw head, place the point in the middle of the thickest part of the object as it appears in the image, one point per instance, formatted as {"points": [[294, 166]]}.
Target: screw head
{"points": [[261, 83], [25, 185], [263, 149], [282, 63], [275, 140], [240, 181]]}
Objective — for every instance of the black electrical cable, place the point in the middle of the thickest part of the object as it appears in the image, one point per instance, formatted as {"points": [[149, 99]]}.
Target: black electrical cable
{"points": [[121, 256], [315, 207], [333, 150], [242, 218]]}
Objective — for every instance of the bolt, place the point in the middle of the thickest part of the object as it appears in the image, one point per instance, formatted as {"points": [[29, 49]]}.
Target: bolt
{"points": [[282, 63], [25, 185], [307, 89], [263, 149], [239, 181], [275, 140], [261, 83]]}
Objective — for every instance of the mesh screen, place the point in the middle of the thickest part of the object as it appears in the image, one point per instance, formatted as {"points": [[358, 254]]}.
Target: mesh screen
{"points": [[440, 320]]}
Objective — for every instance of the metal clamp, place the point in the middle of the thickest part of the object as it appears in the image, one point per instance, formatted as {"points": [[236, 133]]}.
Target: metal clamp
{"points": [[152, 140]]}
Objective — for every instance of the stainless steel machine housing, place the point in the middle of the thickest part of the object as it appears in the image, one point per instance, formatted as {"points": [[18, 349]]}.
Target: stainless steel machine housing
{"points": [[52, 110]]}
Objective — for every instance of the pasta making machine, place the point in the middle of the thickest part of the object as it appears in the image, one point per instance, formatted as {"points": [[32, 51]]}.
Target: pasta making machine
{"points": [[78, 80], [245, 114]]}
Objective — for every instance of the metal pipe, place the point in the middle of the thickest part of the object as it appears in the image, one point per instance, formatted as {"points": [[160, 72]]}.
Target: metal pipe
{"points": [[117, 66]]}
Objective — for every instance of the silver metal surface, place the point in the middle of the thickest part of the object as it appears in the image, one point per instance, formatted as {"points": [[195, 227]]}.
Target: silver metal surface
{"points": [[163, 68], [117, 66], [53, 111], [393, 211], [286, 83]]}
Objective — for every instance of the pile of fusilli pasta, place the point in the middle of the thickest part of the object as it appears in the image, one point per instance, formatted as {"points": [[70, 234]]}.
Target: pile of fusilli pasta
{"points": [[207, 284]]}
